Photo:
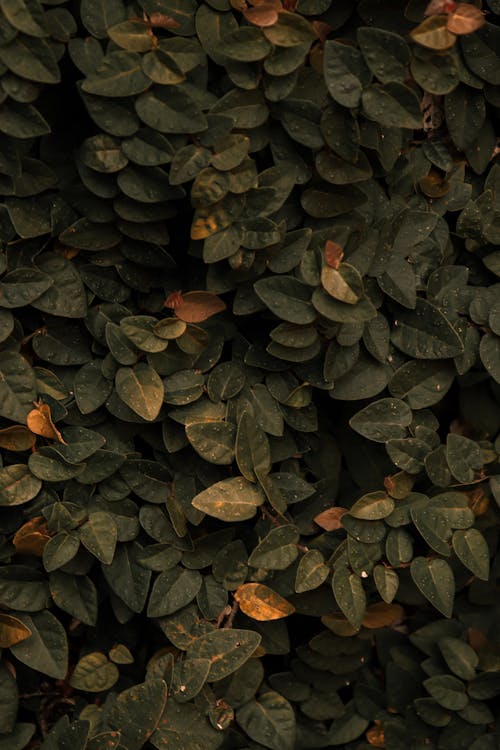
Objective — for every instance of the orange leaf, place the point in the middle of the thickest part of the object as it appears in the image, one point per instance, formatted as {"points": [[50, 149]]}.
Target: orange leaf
{"points": [[39, 421], [375, 735], [32, 537], [16, 438], [465, 19], [12, 631], [380, 615], [330, 519], [173, 300], [195, 307], [164, 21], [263, 15], [333, 254], [439, 6], [262, 603]]}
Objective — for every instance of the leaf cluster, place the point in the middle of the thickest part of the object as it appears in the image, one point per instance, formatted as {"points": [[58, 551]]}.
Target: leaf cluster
{"points": [[249, 374]]}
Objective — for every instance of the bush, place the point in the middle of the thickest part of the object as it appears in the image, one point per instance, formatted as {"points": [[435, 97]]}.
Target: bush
{"points": [[249, 484]]}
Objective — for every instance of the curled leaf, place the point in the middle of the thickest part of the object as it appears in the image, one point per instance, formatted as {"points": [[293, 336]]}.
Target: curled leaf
{"points": [[439, 6], [39, 421], [262, 603], [32, 537], [12, 631]]}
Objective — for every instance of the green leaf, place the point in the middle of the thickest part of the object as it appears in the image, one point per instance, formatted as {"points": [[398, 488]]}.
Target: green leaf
{"points": [[448, 691], [169, 109], [464, 457], [22, 121], [141, 389], [31, 58], [137, 711], [345, 73], [234, 499], [277, 550], [183, 727], [75, 595], [287, 298], [99, 15], [422, 383], [128, 579], [489, 351], [348, 727], [46, 650], [213, 441], [373, 507], [99, 535], [91, 388], [386, 581], [173, 590], [17, 387], [227, 649], [17, 485], [9, 700], [59, 550], [349, 595], [425, 333], [459, 656], [465, 112], [253, 454], [392, 106], [23, 588], [311, 572], [94, 673], [471, 549], [66, 297], [269, 720], [22, 286], [132, 35], [382, 420], [119, 74], [386, 54], [434, 578], [26, 16]]}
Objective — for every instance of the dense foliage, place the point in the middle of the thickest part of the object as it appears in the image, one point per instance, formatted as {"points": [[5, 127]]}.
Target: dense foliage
{"points": [[249, 374]]}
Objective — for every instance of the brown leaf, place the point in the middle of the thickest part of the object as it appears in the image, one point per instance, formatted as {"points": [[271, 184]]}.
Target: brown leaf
{"points": [[465, 19], [12, 631], [375, 735], [330, 519], [381, 615], [434, 185], [32, 537], [339, 625], [262, 603], [439, 6], [39, 421], [195, 307], [334, 254], [322, 30], [478, 501], [477, 639], [163, 21], [17, 438]]}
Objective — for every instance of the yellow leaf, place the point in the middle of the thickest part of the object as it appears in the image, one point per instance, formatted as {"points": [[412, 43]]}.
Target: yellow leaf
{"points": [[12, 631], [16, 438], [32, 537], [39, 421], [434, 34], [262, 603], [465, 19], [381, 615]]}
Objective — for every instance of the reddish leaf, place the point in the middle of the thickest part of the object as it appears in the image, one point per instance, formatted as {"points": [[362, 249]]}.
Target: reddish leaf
{"points": [[330, 519], [263, 15], [439, 6], [465, 19], [195, 307], [333, 254]]}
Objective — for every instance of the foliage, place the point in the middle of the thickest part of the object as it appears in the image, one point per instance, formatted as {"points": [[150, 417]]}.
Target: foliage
{"points": [[249, 374]]}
